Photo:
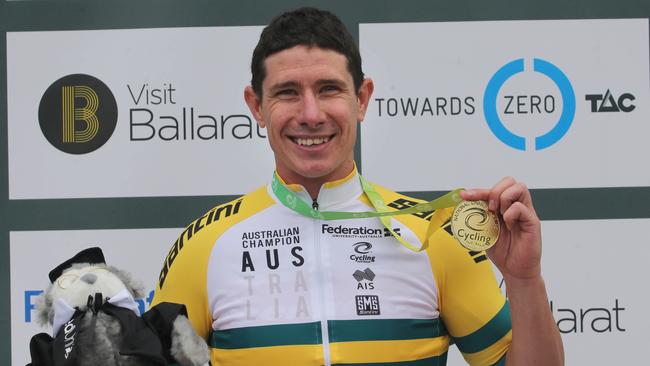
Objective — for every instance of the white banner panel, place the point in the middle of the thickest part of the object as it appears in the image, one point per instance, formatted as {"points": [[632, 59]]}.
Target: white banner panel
{"points": [[33, 254], [555, 103], [128, 113], [593, 269]]}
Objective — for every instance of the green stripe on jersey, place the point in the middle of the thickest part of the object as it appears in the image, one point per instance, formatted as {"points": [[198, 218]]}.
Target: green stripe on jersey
{"points": [[488, 334], [267, 335], [436, 360], [384, 329]]}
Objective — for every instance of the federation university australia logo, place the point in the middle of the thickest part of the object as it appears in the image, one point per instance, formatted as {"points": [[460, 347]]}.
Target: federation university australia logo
{"points": [[77, 114]]}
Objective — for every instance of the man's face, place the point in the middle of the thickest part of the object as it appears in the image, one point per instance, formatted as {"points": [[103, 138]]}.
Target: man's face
{"points": [[311, 110]]}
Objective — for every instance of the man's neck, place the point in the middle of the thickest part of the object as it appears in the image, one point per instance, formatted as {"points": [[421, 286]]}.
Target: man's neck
{"points": [[313, 185]]}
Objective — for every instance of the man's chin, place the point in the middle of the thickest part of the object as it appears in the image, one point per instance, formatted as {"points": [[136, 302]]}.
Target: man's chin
{"points": [[325, 172], [314, 171]]}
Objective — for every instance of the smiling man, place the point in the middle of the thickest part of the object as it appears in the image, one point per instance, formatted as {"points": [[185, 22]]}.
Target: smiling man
{"points": [[272, 279], [310, 105]]}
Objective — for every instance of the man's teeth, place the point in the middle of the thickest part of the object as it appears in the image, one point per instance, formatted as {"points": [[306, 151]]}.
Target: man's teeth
{"points": [[309, 142]]}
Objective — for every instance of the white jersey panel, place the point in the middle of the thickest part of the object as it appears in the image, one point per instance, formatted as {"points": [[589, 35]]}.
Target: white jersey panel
{"points": [[278, 267]]}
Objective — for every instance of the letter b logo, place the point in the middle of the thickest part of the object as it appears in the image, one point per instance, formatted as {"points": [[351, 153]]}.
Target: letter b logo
{"points": [[77, 114]]}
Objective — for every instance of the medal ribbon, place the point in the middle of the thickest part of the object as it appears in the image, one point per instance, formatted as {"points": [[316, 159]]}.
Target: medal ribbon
{"points": [[293, 202]]}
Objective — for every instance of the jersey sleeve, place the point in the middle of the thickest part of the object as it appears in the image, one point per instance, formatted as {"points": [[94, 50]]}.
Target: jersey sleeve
{"points": [[471, 305], [182, 278]]}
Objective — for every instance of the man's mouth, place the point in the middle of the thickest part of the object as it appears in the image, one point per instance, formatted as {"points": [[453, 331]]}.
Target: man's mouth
{"points": [[302, 141]]}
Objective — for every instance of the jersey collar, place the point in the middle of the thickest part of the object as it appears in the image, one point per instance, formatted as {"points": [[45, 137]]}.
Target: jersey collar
{"points": [[333, 194]]}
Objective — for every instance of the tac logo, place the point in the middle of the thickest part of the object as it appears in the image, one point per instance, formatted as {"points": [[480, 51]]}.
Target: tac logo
{"points": [[529, 104], [608, 103], [77, 114]]}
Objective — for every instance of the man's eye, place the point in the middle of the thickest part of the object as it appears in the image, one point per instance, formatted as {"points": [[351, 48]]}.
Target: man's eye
{"points": [[330, 88], [286, 92]]}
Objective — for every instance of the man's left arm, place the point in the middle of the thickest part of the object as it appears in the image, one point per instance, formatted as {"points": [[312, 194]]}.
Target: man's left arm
{"points": [[517, 254]]}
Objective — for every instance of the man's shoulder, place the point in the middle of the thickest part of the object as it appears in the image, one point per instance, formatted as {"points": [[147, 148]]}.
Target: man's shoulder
{"points": [[193, 246], [226, 214]]}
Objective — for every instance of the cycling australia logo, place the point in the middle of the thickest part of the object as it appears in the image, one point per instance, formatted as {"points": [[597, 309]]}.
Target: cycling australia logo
{"points": [[528, 105], [362, 252], [77, 114]]}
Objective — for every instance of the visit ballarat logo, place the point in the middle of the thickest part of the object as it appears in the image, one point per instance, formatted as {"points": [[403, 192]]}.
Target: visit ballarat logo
{"points": [[77, 114]]}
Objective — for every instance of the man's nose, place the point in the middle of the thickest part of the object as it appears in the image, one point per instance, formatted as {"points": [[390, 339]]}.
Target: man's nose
{"points": [[310, 112]]}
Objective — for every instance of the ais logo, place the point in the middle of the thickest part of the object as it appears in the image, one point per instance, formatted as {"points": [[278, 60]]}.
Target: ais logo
{"points": [[529, 104], [77, 114]]}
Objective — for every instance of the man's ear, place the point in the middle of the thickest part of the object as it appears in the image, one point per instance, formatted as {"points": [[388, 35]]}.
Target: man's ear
{"points": [[363, 97], [255, 105]]}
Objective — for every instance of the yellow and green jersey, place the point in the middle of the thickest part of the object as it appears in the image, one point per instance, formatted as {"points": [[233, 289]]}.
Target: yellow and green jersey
{"points": [[265, 285]]}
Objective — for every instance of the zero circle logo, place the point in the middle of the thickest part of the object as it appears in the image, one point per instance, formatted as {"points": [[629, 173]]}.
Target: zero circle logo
{"points": [[502, 132], [77, 114]]}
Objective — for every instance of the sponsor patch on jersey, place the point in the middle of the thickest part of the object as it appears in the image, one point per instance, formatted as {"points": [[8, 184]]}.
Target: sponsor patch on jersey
{"points": [[362, 252], [367, 304], [366, 274], [364, 279], [342, 231]]}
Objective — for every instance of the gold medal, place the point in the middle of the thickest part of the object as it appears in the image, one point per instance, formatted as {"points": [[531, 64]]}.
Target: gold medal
{"points": [[474, 226]]}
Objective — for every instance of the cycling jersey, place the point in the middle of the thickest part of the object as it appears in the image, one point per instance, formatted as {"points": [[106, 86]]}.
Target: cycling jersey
{"points": [[265, 285]]}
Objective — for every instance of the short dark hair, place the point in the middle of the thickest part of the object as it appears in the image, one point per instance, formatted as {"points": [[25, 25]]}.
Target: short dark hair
{"points": [[309, 27]]}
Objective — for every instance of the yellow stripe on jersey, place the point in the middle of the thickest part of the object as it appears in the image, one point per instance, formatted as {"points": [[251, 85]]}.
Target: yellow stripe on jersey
{"points": [[269, 356], [388, 351]]}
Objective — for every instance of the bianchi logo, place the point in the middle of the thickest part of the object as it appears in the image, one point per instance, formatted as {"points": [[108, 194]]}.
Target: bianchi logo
{"points": [[77, 114], [362, 250], [367, 304]]}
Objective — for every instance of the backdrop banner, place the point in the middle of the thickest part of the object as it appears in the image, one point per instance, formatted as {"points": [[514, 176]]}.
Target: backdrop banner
{"points": [[159, 106], [555, 103]]}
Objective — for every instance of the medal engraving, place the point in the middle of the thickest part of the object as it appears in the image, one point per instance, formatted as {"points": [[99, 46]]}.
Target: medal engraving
{"points": [[474, 226]]}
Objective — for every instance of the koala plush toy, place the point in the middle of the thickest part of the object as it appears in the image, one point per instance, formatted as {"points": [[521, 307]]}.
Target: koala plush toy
{"points": [[95, 321]]}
